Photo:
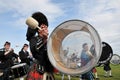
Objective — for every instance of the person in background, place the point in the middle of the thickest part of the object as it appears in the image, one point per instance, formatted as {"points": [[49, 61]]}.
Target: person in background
{"points": [[107, 69], [6, 59], [94, 70], [24, 55]]}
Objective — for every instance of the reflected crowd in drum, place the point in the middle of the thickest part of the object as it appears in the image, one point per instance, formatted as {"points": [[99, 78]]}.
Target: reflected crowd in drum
{"points": [[78, 60]]}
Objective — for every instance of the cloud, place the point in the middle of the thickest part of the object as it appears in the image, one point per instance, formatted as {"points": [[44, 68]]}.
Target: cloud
{"points": [[20, 10], [25, 7], [14, 13], [104, 16]]}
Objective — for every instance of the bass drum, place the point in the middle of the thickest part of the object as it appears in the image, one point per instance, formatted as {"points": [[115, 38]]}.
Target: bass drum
{"points": [[115, 59], [107, 53], [69, 47]]}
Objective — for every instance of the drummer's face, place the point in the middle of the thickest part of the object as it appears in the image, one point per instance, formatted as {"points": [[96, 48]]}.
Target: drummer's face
{"points": [[7, 47], [26, 48]]}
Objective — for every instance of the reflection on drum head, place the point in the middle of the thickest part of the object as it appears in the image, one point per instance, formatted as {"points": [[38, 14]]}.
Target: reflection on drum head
{"points": [[77, 56], [74, 47], [115, 59]]}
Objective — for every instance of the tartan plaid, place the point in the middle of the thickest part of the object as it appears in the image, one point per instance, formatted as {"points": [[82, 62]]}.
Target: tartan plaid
{"points": [[33, 74]]}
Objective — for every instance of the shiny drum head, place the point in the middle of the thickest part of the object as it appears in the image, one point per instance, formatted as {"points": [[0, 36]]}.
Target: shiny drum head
{"points": [[74, 47], [115, 59]]}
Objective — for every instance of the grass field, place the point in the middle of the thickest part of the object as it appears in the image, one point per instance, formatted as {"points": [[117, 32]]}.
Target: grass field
{"points": [[115, 74]]}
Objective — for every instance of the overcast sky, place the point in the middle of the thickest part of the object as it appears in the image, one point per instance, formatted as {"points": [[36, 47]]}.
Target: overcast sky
{"points": [[103, 15]]}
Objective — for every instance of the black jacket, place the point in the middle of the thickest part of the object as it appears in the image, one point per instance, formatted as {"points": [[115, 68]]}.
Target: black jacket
{"points": [[24, 57], [7, 60], [2, 51], [38, 49]]}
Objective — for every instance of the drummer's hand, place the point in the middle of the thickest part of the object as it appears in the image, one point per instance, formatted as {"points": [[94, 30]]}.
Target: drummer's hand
{"points": [[43, 32], [8, 51]]}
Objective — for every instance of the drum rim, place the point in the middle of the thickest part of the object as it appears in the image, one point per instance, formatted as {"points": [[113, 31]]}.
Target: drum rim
{"points": [[119, 59], [17, 66]]}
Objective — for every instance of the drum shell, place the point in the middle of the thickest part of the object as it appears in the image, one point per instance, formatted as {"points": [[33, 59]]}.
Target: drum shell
{"points": [[18, 71]]}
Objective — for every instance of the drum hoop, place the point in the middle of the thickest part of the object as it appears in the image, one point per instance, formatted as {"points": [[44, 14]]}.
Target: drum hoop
{"points": [[108, 59], [18, 65], [118, 57]]}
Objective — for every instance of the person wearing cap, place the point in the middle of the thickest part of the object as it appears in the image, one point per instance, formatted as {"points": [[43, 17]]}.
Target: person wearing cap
{"points": [[6, 57], [38, 47]]}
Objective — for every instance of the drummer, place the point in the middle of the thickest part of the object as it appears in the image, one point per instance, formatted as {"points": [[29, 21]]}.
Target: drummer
{"points": [[6, 59], [38, 47], [24, 55]]}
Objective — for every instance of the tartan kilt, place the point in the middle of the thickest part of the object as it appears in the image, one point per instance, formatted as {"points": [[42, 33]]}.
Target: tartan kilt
{"points": [[34, 74]]}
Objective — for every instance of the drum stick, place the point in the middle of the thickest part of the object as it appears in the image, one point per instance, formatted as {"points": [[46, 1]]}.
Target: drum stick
{"points": [[32, 23]]}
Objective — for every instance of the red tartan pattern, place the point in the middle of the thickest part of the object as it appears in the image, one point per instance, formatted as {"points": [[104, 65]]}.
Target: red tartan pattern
{"points": [[33, 74], [94, 70]]}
